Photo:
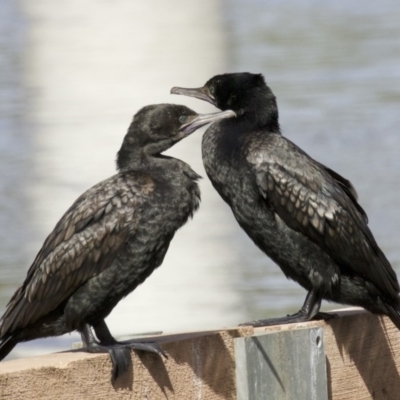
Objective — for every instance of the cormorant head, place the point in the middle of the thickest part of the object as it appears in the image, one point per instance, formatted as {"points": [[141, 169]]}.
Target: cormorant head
{"points": [[245, 93], [156, 128]]}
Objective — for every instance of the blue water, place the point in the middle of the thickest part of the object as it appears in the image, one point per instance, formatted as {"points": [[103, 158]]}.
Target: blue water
{"points": [[71, 79], [335, 69]]}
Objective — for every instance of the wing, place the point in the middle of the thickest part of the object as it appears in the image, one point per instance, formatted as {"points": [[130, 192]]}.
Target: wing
{"points": [[348, 188], [322, 205], [81, 246]]}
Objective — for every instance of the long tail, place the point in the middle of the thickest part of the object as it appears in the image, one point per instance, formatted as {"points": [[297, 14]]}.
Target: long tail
{"points": [[6, 345], [394, 314]]}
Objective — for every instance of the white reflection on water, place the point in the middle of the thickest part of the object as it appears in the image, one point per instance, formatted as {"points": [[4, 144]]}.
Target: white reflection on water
{"points": [[88, 66]]}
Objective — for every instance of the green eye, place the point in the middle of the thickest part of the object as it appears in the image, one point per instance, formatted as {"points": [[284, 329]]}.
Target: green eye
{"points": [[212, 90], [183, 119]]}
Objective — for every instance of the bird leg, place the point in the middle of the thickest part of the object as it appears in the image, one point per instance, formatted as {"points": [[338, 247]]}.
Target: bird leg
{"points": [[120, 356], [120, 352], [105, 337], [309, 311]]}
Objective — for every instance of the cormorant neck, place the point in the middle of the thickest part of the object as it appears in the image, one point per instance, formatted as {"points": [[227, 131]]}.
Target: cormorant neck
{"points": [[130, 158], [135, 154], [250, 120], [259, 111], [259, 119]]}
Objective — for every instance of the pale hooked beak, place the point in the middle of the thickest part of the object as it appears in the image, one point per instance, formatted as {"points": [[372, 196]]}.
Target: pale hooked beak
{"points": [[202, 93], [197, 121]]}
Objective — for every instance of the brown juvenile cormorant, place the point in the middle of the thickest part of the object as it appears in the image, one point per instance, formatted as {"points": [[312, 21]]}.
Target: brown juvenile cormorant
{"points": [[299, 212], [110, 240]]}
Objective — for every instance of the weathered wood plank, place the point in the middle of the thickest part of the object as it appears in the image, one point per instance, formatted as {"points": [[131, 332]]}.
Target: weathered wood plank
{"points": [[200, 365], [362, 356]]}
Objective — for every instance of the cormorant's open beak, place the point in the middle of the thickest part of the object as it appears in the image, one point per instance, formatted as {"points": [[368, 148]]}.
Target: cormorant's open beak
{"points": [[197, 121], [202, 93]]}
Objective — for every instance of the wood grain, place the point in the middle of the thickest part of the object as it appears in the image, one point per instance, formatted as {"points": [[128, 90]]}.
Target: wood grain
{"points": [[362, 351]]}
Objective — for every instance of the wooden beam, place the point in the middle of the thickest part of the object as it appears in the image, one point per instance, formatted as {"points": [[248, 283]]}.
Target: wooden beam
{"points": [[362, 360], [200, 365]]}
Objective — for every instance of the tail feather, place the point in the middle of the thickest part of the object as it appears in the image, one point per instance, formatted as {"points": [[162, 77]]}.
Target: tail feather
{"points": [[6, 345]]}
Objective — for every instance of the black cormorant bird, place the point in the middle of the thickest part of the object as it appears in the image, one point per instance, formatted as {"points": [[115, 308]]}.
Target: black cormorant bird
{"points": [[110, 240], [302, 214]]}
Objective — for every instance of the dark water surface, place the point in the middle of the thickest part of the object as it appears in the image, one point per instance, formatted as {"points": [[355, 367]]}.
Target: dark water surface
{"points": [[73, 74]]}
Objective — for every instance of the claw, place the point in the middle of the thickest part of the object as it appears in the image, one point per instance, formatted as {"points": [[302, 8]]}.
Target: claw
{"points": [[120, 352], [152, 347]]}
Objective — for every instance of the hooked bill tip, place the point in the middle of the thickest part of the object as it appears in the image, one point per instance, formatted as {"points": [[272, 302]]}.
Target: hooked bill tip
{"points": [[174, 90], [230, 114]]}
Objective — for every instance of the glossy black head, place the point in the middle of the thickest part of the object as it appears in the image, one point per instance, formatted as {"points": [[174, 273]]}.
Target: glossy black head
{"points": [[156, 128], [245, 93]]}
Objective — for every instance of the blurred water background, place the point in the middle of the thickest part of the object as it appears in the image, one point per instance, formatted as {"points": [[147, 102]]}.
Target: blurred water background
{"points": [[72, 74]]}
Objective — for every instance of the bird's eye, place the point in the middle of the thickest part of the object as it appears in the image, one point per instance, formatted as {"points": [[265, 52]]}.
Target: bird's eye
{"points": [[212, 90], [183, 119]]}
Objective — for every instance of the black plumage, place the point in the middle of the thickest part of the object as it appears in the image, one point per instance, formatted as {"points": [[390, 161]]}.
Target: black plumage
{"points": [[299, 212], [111, 239]]}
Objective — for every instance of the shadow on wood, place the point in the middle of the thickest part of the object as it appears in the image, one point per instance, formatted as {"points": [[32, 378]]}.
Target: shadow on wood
{"points": [[209, 358], [367, 346], [362, 353], [156, 368]]}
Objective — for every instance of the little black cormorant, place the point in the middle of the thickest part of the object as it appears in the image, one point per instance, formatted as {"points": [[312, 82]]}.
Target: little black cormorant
{"points": [[110, 240], [302, 214]]}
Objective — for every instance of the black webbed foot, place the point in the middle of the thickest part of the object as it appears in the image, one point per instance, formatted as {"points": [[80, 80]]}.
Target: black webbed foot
{"points": [[152, 347], [120, 356], [289, 319], [325, 316], [105, 337], [120, 352], [309, 311]]}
